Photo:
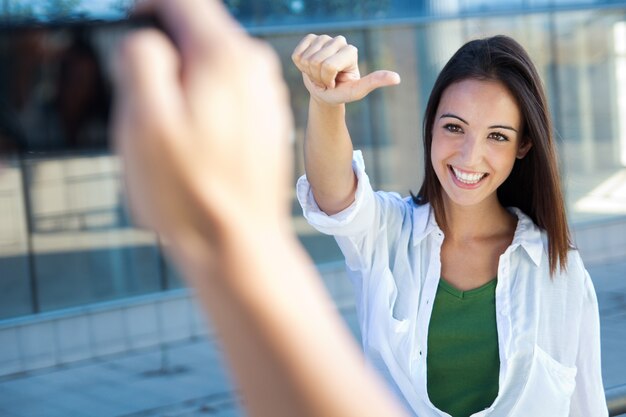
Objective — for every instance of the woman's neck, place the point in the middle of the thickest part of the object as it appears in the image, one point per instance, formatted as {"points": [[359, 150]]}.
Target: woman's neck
{"points": [[481, 221]]}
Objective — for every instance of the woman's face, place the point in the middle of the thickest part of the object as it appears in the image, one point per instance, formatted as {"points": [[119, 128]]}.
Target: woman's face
{"points": [[476, 138]]}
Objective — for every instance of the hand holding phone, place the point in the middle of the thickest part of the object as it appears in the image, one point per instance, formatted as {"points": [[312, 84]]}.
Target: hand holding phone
{"points": [[192, 110], [203, 125]]}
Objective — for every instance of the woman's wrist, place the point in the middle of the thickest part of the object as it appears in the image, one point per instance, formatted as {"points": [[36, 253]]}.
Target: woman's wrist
{"points": [[325, 106]]}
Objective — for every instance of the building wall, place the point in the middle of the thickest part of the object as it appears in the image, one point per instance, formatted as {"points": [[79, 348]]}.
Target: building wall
{"points": [[71, 260], [103, 330]]}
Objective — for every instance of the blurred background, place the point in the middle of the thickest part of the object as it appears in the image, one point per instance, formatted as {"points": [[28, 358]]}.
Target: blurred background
{"points": [[95, 321]]}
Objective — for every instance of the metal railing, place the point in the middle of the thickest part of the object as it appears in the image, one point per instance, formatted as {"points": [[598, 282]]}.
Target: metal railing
{"points": [[616, 400]]}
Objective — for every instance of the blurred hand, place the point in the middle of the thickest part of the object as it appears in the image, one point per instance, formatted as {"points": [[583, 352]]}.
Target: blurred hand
{"points": [[202, 124], [331, 73]]}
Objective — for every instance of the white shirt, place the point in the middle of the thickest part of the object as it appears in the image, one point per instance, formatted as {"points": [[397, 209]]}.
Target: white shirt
{"points": [[548, 328]]}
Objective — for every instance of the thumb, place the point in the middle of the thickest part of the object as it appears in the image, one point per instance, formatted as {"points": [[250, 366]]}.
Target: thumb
{"points": [[371, 82], [146, 79]]}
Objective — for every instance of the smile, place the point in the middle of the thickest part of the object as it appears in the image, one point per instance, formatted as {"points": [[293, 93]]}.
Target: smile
{"points": [[469, 178]]}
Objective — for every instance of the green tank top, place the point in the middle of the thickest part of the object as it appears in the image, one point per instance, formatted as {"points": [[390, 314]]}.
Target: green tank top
{"points": [[463, 363]]}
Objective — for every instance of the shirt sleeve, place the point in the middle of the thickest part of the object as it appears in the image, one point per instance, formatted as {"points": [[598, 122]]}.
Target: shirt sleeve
{"points": [[588, 398], [354, 220]]}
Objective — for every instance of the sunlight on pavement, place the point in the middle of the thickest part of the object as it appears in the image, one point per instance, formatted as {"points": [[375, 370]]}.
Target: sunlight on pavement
{"points": [[607, 198]]}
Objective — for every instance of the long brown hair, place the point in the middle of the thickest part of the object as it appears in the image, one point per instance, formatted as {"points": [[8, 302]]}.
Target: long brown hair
{"points": [[534, 185]]}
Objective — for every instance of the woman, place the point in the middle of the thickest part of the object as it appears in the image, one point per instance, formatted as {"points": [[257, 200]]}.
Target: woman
{"points": [[471, 299]]}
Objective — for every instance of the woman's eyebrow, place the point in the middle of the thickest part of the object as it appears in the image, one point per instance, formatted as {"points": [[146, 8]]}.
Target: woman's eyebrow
{"points": [[503, 127], [453, 116]]}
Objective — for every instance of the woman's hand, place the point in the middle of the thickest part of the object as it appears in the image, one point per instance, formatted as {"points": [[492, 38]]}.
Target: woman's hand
{"points": [[331, 73]]}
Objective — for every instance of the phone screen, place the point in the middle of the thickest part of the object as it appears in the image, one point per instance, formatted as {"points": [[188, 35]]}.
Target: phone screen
{"points": [[55, 84]]}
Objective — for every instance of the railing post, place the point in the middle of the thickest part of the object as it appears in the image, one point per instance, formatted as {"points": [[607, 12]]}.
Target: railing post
{"points": [[616, 400]]}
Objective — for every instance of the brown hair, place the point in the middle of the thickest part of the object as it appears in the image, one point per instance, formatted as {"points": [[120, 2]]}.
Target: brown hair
{"points": [[534, 184]]}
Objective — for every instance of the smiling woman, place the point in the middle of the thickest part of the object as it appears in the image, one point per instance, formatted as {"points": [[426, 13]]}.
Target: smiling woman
{"points": [[470, 150], [534, 185], [471, 299]]}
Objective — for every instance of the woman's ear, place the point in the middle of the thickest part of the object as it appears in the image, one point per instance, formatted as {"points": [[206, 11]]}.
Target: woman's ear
{"points": [[524, 148]]}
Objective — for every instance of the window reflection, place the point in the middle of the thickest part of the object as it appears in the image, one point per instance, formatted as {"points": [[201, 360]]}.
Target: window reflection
{"points": [[83, 244], [576, 57], [66, 240], [15, 279], [619, 40]]}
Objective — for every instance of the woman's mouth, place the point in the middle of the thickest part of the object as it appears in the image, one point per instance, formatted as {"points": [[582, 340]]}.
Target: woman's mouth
{"points": [[466, 177]]}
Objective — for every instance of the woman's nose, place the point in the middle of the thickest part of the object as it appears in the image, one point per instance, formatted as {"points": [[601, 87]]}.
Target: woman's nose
{"points": [[471, 150]]}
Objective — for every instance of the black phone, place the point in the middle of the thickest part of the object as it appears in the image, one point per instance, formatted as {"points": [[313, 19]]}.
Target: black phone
{"points": [[55, 82]]}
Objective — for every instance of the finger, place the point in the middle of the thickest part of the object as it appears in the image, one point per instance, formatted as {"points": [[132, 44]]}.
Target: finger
{"points": [[317, 44], [305, 60], [371, 82], [320, 62], [345, 59], [196, 26], [146, 79], [296, 55], [147, 102]]}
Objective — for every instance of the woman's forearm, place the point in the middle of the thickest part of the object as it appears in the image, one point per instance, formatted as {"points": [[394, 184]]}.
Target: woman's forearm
{"points": [[328, 157]]}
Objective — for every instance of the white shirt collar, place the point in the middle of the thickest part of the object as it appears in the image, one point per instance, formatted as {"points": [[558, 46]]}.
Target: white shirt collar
{"points": [[527, 234]]}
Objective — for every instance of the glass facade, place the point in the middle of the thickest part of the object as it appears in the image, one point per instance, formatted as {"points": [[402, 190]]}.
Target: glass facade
{"points": [[579, 54], [67, 240]]}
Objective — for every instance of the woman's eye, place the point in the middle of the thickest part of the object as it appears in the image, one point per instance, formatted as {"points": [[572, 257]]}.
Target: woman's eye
{"points": [[498, 136], [453, 128]]}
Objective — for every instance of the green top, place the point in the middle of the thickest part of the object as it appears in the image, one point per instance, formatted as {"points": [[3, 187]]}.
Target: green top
{"points": [[463, 363]]}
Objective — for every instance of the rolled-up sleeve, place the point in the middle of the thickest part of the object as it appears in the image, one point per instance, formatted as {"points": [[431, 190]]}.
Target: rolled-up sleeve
{"points": [[354, 220], [588, 398]]}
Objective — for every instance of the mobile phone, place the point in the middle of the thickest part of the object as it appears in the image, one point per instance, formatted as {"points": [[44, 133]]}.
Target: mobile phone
{"points": [[55, 82]]}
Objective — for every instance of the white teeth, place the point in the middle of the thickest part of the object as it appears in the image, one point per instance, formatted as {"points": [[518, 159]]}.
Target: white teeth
{"points": [[468, 178]]}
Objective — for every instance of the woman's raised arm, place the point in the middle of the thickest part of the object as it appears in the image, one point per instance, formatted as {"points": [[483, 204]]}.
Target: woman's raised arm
{"points": [[331, 74]]}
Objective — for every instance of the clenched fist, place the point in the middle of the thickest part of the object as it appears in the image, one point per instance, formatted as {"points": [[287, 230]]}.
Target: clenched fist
{"points": [[331, 73]]}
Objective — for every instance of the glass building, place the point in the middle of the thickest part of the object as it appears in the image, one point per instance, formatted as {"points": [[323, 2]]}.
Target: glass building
{"points": [[67, 245]]}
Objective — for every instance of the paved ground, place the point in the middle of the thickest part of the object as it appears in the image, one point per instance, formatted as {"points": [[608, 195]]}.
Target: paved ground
{"points": [[188, 380]]}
